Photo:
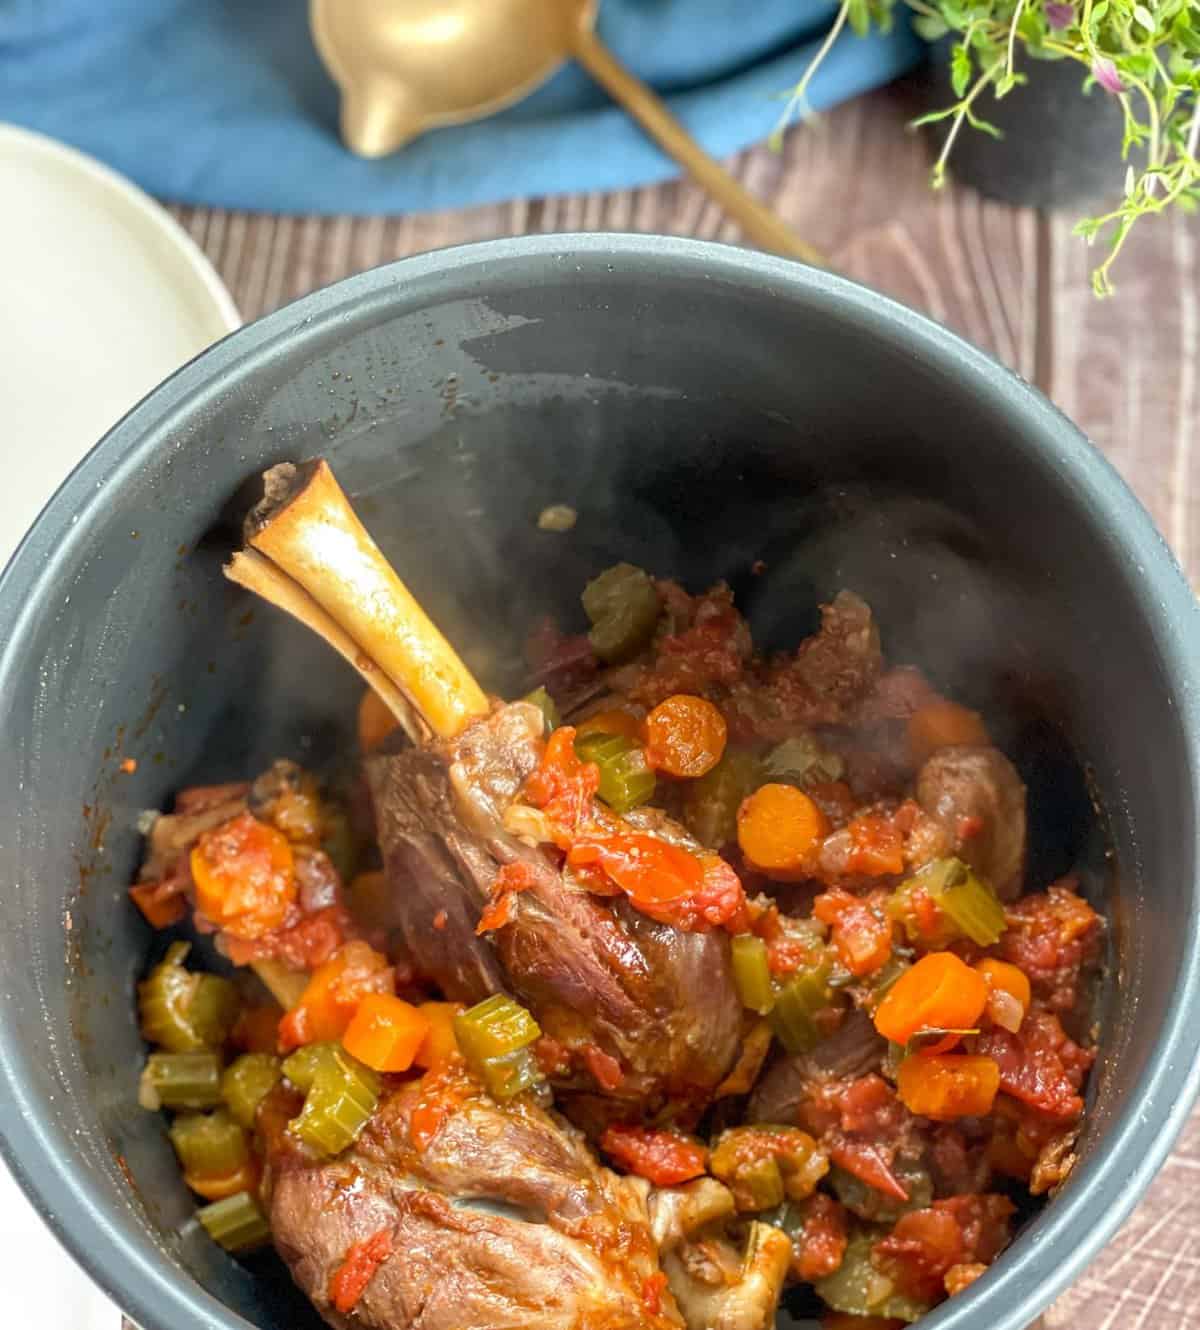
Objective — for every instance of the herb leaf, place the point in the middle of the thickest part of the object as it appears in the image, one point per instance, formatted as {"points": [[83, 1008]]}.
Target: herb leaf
{"points": [[1145, 53]]}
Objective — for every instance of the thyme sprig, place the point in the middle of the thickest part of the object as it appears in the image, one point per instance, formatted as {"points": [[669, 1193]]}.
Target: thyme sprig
{"points": [[1145, 53]]}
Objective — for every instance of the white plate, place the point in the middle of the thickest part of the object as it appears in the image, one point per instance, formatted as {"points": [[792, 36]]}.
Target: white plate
{"points": [[102, 295]]}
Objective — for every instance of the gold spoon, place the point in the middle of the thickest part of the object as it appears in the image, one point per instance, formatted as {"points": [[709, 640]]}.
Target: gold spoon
{"points": [[405, 66]]}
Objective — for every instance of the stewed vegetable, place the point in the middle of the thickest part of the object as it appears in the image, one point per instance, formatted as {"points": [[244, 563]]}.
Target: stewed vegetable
{"points": [[734, 917]]}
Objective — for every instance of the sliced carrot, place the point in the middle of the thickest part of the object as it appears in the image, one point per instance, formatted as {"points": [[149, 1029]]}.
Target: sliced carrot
{"points": [[375, 721], [1011, 978], [385, 1032], [780, 830], [943, 724], [956, 1085], [1009, 993], [333, 993], [685, 736], [244, 876], [940, 992], [439, 1044], [243, 1178]]}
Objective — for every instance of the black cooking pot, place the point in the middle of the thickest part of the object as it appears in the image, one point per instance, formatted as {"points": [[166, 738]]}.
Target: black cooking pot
{"points": [[702, 408]]}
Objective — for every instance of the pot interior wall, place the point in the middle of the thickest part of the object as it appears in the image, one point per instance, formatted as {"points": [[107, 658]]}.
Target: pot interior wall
{"points": [[697, 428]]}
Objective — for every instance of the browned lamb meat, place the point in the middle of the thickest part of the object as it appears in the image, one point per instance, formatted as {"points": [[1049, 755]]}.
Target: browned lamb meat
{"points": [[597, 974], [978, 798], [493, 1216]]}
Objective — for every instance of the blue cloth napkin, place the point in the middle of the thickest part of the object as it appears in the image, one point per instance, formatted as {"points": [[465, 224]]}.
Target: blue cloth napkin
{"points": [[225, 102]]}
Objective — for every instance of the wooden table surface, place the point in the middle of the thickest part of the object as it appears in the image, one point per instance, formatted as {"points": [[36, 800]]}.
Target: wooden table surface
{"points": [[1011, 280]]}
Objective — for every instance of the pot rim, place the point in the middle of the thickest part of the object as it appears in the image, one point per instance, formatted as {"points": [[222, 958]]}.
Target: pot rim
{"points": [[131, 1267]]}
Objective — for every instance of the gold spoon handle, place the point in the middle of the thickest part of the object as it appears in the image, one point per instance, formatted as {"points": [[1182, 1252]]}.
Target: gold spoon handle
{"points": [[757, 221]]}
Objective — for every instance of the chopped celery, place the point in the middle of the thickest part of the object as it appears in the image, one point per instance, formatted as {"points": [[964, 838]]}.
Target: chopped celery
{"points": [[758, 1186], [180, 1080], [801, 761], [247, 1082], [236, 1222], [793, 1017], [711, 803], [507, 1076], [182, 1011], [967, 904], [763, 1165], [494, 1027], [340, 1096], [335, 1111], [495, 1037], [625, 779], [302, 1066], [751, 973], [541, 699], [857, 1288], [623, 607], [209, 1145]]}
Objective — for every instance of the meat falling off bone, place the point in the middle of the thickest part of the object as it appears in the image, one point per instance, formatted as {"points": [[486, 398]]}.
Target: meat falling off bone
{"points": [[818, 1032], [509, 1196], [596, 973]]}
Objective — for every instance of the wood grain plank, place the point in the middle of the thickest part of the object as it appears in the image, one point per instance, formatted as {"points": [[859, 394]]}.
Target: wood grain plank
{"points": [[1126, 370]]}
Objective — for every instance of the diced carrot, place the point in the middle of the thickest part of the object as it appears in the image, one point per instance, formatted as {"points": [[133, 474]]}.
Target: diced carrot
{"points": [[332, 995], [611, 722], [940, 992], [439, 1044], [375, 721], [244, 876], [685, 736], [948, 1086], [1009, 993], [780, 830], [943, 724], [385, 1032], [243, 1178]]}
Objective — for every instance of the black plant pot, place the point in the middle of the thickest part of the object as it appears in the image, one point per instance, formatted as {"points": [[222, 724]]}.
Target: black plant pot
{"points": [[1061, 146]]}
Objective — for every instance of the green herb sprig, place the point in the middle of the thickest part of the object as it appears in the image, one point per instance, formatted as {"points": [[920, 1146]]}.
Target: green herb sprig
{"points": [[1146, 53]]}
